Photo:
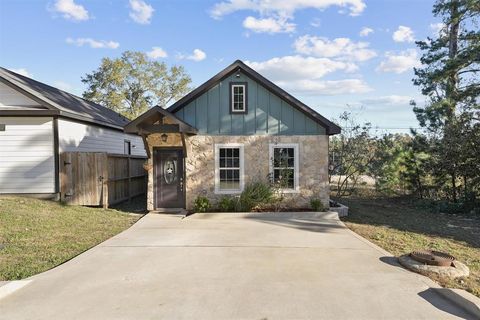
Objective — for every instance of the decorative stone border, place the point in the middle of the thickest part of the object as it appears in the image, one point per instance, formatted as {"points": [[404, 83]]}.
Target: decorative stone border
{"points": [[460, 269], [342, 210]]}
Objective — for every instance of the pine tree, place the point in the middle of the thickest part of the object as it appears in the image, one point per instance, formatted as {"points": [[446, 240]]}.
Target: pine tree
{"points": [[450, 78]]}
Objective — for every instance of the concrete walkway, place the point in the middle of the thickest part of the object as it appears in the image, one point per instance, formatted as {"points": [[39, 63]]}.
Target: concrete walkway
{"points": [[231, 266]]}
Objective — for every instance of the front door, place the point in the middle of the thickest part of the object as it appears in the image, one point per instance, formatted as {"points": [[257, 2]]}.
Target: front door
{"points": [[168, 176]]}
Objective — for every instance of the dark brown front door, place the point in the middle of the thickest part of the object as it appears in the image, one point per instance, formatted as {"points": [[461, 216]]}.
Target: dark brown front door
{"points": [[168, 175]]}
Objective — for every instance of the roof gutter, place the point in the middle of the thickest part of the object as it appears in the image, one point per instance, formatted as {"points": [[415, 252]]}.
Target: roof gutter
{"points": [[28, 113]]}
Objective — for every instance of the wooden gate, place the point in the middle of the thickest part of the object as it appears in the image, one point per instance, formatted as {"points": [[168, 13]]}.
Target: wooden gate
{"points": [[100, 179]]}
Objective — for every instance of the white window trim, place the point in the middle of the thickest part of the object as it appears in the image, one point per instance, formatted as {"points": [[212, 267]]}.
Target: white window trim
{"points": [[296, 188], [217, 167], [232, 94]]}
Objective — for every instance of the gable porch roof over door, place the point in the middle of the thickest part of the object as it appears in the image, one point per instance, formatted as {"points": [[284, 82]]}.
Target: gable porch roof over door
{"points": [[159, 120]]}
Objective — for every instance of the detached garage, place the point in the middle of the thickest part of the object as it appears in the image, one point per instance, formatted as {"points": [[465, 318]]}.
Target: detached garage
{"points": [[27, 155], [38, 122]]}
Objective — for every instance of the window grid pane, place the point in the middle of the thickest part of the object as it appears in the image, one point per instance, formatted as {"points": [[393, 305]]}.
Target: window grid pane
{"points": [[229, 168], [284, 166], [238, 97]]}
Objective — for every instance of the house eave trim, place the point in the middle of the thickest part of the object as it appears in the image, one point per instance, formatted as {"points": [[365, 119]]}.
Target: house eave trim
{"points": [[330, 127]]}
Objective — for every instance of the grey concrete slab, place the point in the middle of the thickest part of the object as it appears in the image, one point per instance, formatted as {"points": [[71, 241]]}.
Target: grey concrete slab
{"points": [[269, 266]]}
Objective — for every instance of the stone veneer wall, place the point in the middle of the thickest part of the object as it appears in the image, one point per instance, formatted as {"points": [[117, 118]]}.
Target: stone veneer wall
{"points": [[200, 164], [313, 165]]}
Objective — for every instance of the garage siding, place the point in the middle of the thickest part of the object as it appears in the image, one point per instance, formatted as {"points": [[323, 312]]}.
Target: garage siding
{"points": [[27, 155], [79, 137]]}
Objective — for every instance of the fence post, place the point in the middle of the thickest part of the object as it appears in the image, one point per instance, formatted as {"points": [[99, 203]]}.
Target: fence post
{"points": [[129, 179], [105, 182], [63, 177]]}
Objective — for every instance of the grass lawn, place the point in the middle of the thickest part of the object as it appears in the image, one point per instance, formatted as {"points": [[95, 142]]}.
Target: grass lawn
{"points": [[399, 226], [36, 235]]}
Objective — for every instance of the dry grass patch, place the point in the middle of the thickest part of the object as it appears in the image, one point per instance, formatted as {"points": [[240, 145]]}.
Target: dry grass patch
{"points": [[36, 235], [399, 226]]}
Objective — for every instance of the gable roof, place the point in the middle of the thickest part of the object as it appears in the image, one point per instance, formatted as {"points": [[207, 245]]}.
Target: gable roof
{"points": [[62, 103], [330, 127], [154, 114]]}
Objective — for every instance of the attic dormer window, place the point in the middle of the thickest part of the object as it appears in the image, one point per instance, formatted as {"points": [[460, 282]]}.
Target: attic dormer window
{"points": [[238, 97]]}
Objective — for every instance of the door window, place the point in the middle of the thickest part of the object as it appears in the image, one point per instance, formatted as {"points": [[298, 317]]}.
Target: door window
{"points": [[170, 171]]}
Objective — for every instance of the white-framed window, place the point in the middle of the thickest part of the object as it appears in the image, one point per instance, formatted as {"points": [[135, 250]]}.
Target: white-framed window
{"points": [[238, 97], [229, 169], [284, 166]]}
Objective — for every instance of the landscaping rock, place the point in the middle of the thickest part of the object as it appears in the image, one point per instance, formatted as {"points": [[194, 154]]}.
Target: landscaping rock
{"points": [[460, 269]]}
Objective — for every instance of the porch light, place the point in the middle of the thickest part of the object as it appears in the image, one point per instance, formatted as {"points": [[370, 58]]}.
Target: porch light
{"points": [[164, 137]]}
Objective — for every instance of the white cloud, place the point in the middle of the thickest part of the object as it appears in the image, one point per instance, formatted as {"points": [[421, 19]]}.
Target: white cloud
{"points": [[438, 28], [342, 48], [329, 87], [96, 44], [391, 100], [157, 53], [70, 10], [399, 62], [302, 75], [276, 15], [141, 12], [403, 34], [268, 25], [284, 8], [197, 55], [62, 85], [22, 71], [365, 31], [291, 68]]}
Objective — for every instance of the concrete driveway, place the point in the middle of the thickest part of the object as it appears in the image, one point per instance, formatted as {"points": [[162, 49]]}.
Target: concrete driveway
{"points": [[231, 266]]}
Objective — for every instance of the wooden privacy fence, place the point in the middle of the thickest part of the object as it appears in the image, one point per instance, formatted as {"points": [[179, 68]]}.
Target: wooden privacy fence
{"points": [[101, 179]]}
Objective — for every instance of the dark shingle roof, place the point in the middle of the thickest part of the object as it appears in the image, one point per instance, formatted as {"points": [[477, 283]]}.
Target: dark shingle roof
{"points": [[68, 105]]}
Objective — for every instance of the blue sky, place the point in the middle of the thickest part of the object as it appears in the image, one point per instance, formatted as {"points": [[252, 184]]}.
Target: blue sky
{"points": [[315, 49]]}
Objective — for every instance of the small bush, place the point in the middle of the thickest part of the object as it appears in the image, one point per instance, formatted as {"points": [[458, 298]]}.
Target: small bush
{"points": [[448, 207], [227, 204], [317, 205], [201, 204], [255, 194]]}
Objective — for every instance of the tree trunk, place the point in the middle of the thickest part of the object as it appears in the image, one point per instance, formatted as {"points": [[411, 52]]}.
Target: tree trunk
{"points": [[452, 53], [454, 187], [419, 181]]}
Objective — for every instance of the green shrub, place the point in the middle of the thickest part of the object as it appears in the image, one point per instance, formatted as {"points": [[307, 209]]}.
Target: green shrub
{"points": [[201, 204], [255, 194], [317, 204], [227, 204]]}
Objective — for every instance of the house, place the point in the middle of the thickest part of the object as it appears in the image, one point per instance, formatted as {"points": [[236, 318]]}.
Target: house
{"points": [[236, 128], [38, 122]]}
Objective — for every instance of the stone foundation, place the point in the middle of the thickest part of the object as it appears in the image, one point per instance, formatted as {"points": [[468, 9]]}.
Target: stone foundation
{"points": [[313, 165], [200, 165]]}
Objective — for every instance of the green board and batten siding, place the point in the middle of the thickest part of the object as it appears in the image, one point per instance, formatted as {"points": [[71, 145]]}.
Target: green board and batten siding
{"points": [[267, 113]]}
